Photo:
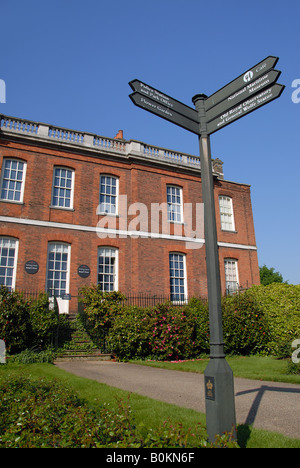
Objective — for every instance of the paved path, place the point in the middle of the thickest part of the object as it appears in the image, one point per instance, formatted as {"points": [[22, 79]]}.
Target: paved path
{"points": [[267, 405]]}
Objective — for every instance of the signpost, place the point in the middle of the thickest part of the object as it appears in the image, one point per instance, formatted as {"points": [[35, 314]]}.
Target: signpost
{"points": [[251, 90]]}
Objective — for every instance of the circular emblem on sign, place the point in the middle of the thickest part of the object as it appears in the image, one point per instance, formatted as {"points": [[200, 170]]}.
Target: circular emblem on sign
{"points": [[84, 271], [248, 76], [31, 267]]}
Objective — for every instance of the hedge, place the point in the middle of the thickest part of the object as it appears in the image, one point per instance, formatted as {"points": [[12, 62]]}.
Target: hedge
{"points": [[263, 319]]}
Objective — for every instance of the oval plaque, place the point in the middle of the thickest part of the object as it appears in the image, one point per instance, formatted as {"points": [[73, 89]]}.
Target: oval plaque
{"points": [[84, 271], [31, 267]]}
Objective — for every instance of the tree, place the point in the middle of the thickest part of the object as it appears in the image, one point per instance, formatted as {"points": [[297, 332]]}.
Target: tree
{"points": [[269, 275]]}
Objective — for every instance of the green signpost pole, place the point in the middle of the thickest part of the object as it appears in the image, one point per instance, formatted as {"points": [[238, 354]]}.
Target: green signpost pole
{"points": [[219, 386], [246, 93]]}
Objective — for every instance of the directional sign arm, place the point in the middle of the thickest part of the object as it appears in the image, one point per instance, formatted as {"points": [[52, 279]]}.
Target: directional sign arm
{"points": [[245, 107], [165, 112], [246, 78], [164, 99], [247, 91]]}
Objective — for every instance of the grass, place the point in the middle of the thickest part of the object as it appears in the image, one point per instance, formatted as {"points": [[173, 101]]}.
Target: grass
{"points": [[248, 367], [146, 410]]}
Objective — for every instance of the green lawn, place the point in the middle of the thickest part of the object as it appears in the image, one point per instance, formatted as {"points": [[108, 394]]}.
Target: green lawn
{"points": [[249, 367], [145, 410]]}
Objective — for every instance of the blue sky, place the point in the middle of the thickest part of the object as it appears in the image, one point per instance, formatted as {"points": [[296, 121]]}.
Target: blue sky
{"points": [[68, 63]]}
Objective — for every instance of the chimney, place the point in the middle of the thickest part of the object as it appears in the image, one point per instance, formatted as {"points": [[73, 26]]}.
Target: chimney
{"points": [[119, 135]]}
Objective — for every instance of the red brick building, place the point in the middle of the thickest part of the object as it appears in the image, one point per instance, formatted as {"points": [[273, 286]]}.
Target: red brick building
{"points": [[79, 209]]}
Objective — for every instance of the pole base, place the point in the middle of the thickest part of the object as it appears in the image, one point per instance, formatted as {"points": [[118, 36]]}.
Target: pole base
{"points": [[219, 399]]}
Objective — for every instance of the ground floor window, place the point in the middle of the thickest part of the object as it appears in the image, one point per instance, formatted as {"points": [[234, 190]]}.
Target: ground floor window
{"points": [[177, 277], [231, 275], [8, 262], [107, 268], [58, 269]]}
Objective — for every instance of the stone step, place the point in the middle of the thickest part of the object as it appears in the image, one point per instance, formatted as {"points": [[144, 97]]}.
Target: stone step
{"points": [[83, 357]]}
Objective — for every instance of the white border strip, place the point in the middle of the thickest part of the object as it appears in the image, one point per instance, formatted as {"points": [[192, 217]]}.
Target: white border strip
{"points": [[118, 232]]}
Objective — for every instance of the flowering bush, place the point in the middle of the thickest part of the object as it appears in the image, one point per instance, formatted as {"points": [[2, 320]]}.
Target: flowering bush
{"points": [[163, 332], [172, 333]]}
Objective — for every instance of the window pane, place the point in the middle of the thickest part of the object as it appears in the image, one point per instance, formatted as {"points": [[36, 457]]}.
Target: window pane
{"points": [[57, 269], [61, 196], [108, 195], [107, 268], [12, 180], [177, 277], [226, 213], [174, 204], [7, 261], [231, 275]]}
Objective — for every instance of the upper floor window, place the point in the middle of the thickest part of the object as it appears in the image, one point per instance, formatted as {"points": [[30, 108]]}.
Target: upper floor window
{"points": [[226, 213], [8, 261], [178, 288], [62, 190], [231, 275], [108, 195], [108, 268], [174, 202], [13, 180]]}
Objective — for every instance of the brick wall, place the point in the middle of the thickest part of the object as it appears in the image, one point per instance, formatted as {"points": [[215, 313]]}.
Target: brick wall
{"points": [[143, 262]]}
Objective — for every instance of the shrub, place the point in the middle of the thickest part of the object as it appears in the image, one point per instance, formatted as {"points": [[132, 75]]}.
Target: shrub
{"points": [[99, 311], [46, 414], [43, 321], [14, 320], [26, 324], [130, 334], [244, 325], [280, 304], [30, 356], [199, 317]]}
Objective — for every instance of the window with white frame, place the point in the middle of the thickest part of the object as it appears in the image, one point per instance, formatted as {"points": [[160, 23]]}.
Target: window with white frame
{"points": [[8, 262], [108, 268], [226, 213], [63, 187], [178, 289], [231, 275], [13, 180], [58, 268], [174, 203], [108, 195]]}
